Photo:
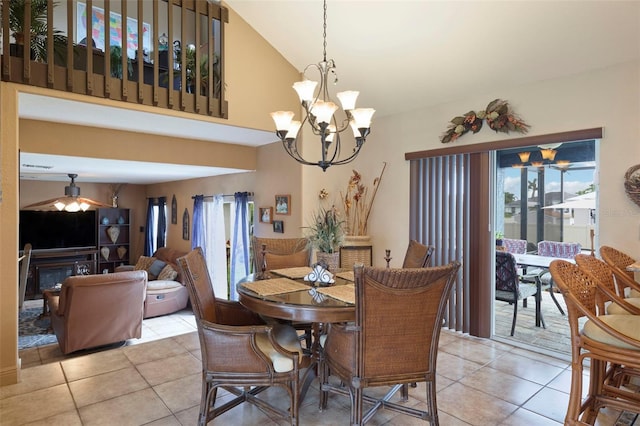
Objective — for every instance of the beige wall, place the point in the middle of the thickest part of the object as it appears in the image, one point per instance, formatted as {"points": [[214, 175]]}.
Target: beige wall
{"points": [[608, 98], [258, 82]]}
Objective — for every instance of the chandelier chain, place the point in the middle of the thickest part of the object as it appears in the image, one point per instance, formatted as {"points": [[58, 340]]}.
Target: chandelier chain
{"points": [[324, 33]]}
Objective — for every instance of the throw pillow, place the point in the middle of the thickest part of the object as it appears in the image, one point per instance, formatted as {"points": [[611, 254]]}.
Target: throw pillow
{"points": [[167, 273], [155, 268], [281, 261], [144, 263]]}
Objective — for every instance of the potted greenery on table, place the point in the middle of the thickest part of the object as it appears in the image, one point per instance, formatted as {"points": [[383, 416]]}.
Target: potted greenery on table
{"points": [[325, 236]]}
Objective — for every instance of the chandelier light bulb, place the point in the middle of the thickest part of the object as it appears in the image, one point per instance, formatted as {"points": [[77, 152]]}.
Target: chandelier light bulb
{"points": [[537, 163], [305, 89], [331, 133], [282, 119], [72, 207], [323, 111], [348, 99], [59, 205], [294, 127], [362, 117]]}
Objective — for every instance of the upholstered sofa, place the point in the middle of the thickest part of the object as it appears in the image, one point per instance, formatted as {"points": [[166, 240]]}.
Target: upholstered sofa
{"points": [[97, 310], [165, 291]]}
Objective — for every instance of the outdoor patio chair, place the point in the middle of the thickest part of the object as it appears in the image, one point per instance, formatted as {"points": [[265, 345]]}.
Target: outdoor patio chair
{"points": [[510, 289]]}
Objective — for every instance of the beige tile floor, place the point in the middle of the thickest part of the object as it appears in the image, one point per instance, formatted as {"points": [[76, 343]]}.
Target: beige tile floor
{"points": [[156, 381]]}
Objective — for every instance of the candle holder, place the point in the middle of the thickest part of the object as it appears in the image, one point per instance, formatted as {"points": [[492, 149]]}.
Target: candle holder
{"points": [[387, 256]]}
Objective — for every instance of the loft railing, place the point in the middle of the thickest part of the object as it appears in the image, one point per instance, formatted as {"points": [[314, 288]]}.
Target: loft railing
{"points": [[179, 67]]}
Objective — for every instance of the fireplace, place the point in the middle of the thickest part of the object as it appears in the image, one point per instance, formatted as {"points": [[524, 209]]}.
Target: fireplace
{"points": [[50, 267]]}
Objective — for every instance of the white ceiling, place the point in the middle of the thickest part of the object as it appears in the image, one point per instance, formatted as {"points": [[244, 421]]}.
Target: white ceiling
{"points": [[401, 55]]}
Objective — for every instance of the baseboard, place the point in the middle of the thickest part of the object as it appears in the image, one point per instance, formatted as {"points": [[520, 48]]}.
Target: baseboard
{"points": [[10, 375]]}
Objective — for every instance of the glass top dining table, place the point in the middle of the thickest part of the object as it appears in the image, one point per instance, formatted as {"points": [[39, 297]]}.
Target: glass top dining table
{"points": [[298, 305]]}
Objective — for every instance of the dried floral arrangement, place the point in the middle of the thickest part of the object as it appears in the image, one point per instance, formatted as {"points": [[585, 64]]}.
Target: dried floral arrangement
{"points": [[498, 115], [357, 202]]}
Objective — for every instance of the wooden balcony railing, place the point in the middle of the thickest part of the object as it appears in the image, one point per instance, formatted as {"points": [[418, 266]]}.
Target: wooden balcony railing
{"points": [[179, 67]]}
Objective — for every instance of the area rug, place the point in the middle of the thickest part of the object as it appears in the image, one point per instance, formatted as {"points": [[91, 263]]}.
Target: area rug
{"points": [[627, 419], [33, 331]]}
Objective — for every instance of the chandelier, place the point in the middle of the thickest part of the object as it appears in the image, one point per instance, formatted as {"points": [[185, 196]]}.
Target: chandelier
{"points": [[319, 113]]}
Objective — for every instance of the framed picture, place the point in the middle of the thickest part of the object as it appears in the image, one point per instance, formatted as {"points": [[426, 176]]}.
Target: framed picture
{"points": [[283, 204], [278, 226], [266, 214]]}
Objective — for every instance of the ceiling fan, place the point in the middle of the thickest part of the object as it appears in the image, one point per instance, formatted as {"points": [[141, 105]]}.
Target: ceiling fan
{"points": [[71, 202]]}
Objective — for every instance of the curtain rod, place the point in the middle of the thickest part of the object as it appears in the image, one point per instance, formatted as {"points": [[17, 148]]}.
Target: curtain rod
{"points": [[249, 194]]}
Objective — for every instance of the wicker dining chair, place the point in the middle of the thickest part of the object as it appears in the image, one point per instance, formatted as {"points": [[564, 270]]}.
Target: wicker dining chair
{"points": [[372, 353], [417, 255], [280, 253], [239, 352], [603, 272], [618, 260], [610, 342]]}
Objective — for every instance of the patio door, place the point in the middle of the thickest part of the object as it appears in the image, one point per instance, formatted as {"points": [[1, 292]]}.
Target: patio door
{"points": [[544, 192]]}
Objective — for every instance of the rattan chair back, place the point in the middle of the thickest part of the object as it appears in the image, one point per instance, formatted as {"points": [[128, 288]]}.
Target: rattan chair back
{"points": [[278, 246], [417, 255], [373, 352], [618, 261], [614, 356]]}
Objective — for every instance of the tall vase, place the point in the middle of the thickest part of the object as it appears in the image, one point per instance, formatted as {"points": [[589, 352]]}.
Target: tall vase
{"points": [[331, 259], [356, 249]]}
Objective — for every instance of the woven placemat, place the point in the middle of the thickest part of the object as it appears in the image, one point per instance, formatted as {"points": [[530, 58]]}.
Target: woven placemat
{"points": [[346, 275], [294, 273], [344, 293], [274, 286]]}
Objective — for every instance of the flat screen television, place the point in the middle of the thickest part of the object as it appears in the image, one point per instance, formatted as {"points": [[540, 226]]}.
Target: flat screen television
{"points": [[54, 229]]}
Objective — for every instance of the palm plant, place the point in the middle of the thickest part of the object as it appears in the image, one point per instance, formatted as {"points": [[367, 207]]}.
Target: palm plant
{"points": [[326, 231], [38, 28]]}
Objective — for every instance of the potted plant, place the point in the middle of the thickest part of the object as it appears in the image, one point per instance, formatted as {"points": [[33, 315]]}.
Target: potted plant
{"points": [[16, 9], [325, 236], [499, 239]]}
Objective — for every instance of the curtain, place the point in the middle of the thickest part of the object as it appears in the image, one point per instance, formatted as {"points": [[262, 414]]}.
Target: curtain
{"points": [[239, 242], [162, 223], [198, 238], [149, 247], [440, 216], [216, 243]]}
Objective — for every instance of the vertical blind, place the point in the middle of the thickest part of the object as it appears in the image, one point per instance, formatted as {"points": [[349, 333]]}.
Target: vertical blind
{"points": [[440, 216]]}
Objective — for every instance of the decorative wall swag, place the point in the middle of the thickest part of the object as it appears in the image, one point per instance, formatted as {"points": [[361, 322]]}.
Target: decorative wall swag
{"points": [[498, 115]]}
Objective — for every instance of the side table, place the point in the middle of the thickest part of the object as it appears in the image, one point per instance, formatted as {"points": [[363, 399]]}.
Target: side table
{"points": [[46, 294]]}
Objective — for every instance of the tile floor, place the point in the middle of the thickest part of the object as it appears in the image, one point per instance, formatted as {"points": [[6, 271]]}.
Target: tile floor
{"points": [[156, 381]]}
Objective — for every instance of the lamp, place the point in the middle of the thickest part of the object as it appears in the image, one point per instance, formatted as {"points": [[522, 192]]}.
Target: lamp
{"points": [[319, 111], [524, 156], [548, 153], [71, 202], [537, 164]]}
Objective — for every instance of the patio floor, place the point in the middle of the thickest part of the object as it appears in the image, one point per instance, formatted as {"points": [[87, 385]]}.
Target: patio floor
{"points": [[556, 337]]}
